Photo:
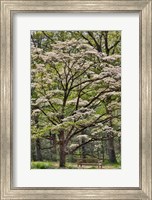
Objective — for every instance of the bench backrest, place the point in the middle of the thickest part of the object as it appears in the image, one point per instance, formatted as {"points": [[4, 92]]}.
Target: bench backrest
{"points": [[88, 160]]}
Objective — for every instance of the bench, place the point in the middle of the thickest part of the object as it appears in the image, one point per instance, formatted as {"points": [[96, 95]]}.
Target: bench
{"points": [[89, 161]]}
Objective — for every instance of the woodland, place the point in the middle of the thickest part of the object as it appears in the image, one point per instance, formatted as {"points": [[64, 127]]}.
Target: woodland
{"points": [[75, 99]]}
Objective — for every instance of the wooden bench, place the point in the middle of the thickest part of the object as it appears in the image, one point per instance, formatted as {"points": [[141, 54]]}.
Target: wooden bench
{"points": [[89, 161]]}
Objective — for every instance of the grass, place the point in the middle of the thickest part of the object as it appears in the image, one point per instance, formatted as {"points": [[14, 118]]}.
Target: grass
{"points": [[55, 165]]}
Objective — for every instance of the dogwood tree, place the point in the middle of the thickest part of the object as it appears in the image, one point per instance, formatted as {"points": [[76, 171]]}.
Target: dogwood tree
{"points": [[74, 88]]}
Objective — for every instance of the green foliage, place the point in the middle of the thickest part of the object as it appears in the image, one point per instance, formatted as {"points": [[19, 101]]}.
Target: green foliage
{"points": [[54, 165], [40, 165], [101, 109]]}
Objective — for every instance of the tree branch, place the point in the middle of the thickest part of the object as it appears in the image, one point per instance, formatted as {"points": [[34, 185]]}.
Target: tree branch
{"points": [[93, 139], [96, 43], [88, 81], [87, 40], [47, 36], [33, 40], [84, 127], [59, 77], [97, 96], [47, 116], [52, 106], [106, 42], [115, 44], [47, 148], [48, 100]]}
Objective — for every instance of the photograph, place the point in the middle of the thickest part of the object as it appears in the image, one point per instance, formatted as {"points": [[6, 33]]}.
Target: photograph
{"points": [[76, 99]]}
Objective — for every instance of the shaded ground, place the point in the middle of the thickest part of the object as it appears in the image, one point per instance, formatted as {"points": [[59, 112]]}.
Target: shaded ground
{"points": [[55, 165]]}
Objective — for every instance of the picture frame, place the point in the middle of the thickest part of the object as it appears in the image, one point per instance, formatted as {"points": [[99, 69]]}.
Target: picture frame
{"points": [[8, 8]]}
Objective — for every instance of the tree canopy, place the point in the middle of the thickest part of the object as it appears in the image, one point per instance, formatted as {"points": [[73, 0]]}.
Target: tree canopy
{"points": [[75, 88]]}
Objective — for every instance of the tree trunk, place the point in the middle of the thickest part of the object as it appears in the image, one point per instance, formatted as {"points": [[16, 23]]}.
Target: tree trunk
{"points": [[53, 150], [111, 150], [103, 151], [106, 42], [119, 145], [62, 155], [83, 149], [38, 150], [62, 152], [111, 147], [83, 152]]}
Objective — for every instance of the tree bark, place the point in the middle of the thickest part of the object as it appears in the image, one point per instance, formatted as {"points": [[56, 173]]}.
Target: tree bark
{"points": [[83, 148], [106, 43], [111, 147], [111, 150], [119, 145], [38, 150], [62, 159], [62, 156], [83, 152], [103, 151], [62, 152]]}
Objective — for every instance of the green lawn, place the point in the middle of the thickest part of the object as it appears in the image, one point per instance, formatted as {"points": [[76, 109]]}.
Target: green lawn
{"points": [[55, 165]]}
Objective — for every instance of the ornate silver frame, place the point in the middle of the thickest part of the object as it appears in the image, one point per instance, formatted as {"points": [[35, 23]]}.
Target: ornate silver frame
{"points": [[144, 8]]}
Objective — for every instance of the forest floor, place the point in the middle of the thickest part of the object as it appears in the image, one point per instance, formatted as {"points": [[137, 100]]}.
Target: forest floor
{"points": [[69, 165]]}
